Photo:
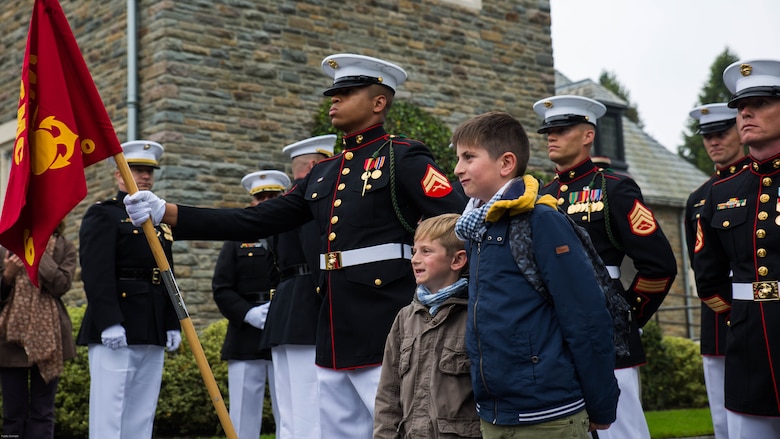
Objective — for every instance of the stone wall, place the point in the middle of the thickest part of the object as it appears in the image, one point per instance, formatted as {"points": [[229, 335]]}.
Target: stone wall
{"points": [[225, 84]]}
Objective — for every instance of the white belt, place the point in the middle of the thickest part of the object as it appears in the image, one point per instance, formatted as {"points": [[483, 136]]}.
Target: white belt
{"points": [[614, 271], [755, 291], [347, 258]]}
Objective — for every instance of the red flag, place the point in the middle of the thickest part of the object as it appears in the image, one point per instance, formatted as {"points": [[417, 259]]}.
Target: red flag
{"points": [[62, 127]]}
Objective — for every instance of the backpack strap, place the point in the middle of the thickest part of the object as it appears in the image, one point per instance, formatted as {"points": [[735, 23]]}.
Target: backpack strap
{"points": [[520, 243]]}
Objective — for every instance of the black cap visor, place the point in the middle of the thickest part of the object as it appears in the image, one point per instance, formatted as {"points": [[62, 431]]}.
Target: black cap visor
{"points": [[716, 127], [562, 120], [352, 81], [770, 91]]}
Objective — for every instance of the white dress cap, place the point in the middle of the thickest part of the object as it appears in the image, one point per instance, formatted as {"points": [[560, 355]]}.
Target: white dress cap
{"points": [[313, 145], [714, 118], [265, 181], [141, 153], [350, 70], [566, 110], [752, 78]]}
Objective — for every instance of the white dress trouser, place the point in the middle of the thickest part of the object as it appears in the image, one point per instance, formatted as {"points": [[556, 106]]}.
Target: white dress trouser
{"points": [[742, 426], [631, 422], [347, 402], [246, 386], [297, 396], [714, 369], [123, 391]]}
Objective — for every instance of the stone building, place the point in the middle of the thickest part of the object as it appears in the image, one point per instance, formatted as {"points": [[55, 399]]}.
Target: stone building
{"points": [[225, 84]]}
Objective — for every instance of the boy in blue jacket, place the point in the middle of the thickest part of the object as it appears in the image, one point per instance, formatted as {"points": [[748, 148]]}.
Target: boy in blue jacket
{"points": [[538, 367]]}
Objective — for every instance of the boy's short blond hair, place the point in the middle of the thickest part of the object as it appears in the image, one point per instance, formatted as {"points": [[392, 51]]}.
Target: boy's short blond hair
{"points": [[441, 228], [496, 132]]}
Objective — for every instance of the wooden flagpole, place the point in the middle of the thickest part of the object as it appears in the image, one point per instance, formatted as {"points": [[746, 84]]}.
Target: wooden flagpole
{"points": [[178, 303]]}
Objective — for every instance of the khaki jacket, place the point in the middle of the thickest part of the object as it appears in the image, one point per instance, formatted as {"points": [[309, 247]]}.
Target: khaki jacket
{"points": [[425, 386]]}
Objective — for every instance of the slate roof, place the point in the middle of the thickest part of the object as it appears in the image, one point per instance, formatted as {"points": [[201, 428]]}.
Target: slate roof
{"points": [[664, 177]]}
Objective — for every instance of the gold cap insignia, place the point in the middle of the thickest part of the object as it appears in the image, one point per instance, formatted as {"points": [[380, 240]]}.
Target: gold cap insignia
{"points": [[705, 111], [745, 69], [380, 79], [147, 146], [548, 104], [587, 117], [333, 64]]}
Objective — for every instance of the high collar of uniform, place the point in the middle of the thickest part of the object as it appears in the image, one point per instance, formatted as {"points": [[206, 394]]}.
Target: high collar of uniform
{"points": [[729, 170], [768, 166], [576, 172], [363, 137]]}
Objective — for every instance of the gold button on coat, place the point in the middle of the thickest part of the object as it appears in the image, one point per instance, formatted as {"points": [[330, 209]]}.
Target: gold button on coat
{"points": [[314, 195], [764, 198], [760, 233], [124, 294], [334, 220], [761, 252], [377, 282], [345, 171], [348, 155], [726, 223], [332, 236], [564, 188], [763, 271], [341, 186], [766, 181], [337, 203], [763, 215]]}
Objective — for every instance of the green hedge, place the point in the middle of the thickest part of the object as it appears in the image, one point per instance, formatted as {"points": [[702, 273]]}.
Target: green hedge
{"points": [[184, 407], [673, 377]]}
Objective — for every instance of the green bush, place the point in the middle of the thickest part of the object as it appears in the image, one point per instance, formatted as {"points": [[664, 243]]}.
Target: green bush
{"points": [[403, 119], [673, 377], [184, 406]]}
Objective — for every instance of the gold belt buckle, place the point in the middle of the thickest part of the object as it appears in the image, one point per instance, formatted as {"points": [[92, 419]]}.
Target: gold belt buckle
{"points": [[332, 261], [156, 276], [765, 291]]}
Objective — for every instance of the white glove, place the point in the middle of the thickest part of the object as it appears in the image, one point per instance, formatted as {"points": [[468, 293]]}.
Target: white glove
{"points": [[142, 205], [174, 340], [256, 316], [114, 337]]}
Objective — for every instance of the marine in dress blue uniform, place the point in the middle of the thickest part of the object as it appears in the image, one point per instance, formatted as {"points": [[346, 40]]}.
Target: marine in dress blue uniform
{"points": [[291, 328], [365, 202], [721, 141], [738, 234], [611, 208], [129, 316], [244, 275]]}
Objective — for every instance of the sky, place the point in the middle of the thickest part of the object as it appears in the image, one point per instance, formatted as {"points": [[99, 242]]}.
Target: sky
{"points": [[661, 51]]}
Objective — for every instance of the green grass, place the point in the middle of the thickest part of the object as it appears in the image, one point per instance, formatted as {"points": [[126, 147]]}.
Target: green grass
{"points": [[679, 423], [664, 424]]}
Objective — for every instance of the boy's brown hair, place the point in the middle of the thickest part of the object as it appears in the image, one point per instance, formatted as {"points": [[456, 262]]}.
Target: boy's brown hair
{"points": [[497, 133], [441, 228]]}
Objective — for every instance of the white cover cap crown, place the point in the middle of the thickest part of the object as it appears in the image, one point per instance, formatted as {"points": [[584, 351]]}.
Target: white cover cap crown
{"points": [[141, 153], [265, 181], [714, 118], [350, 70], [313, 145], [566, 110], [759, 77]]}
